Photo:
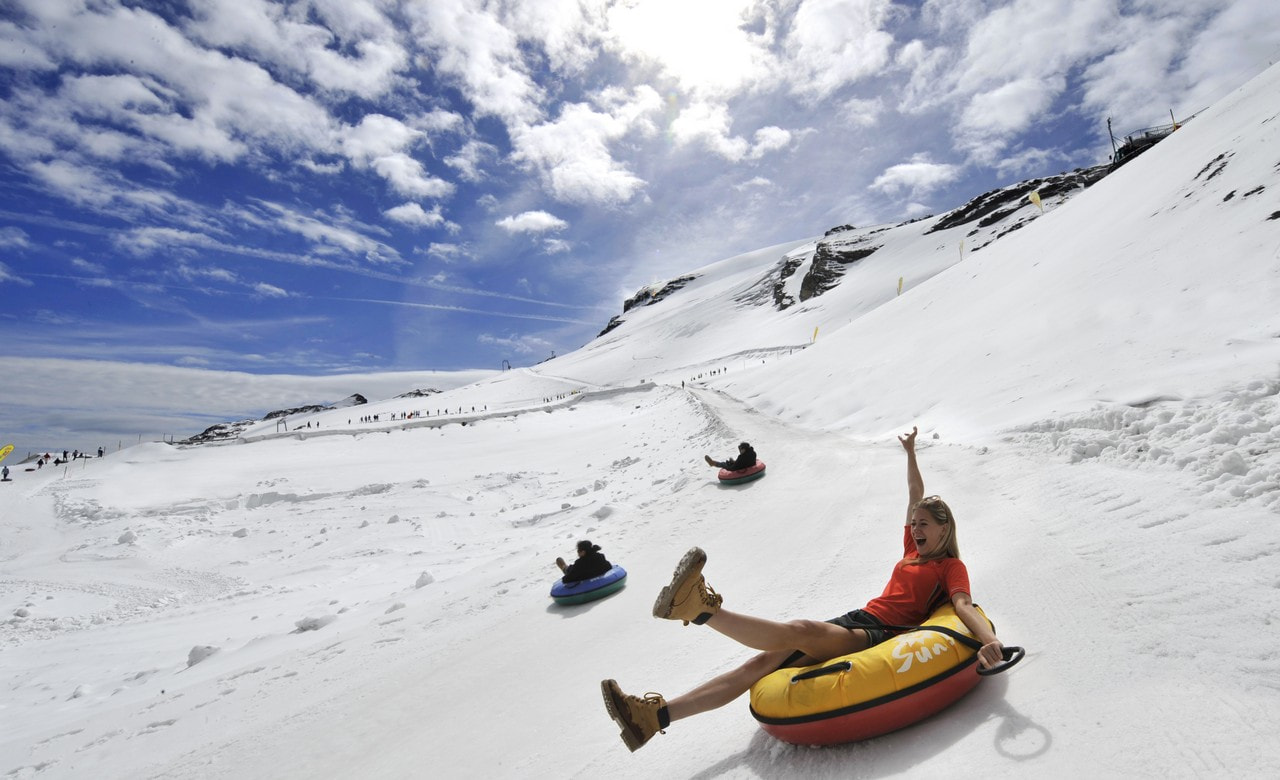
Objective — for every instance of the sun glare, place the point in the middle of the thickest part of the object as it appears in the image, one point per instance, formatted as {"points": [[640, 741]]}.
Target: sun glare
{"points": [[703, 45]]}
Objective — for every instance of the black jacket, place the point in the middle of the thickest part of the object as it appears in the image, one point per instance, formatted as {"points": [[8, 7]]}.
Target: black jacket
{"points": [[593, 564], [745, 460]]}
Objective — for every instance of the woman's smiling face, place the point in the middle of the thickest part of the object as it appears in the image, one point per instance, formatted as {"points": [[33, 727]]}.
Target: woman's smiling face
{"points": [[929, 534]]}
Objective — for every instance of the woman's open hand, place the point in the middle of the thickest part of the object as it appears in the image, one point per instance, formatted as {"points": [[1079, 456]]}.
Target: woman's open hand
{"points": [[909, 440]]}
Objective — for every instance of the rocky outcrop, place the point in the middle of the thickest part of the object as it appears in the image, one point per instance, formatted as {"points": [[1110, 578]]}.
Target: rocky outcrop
{"points": [[220, 432], [647, 297], [419, 393], [354, 399], [830, 261], [996, 205], [781, 298]]}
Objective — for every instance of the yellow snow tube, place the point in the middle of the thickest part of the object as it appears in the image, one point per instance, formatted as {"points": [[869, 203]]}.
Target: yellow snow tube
{"points": [[897, 682]]}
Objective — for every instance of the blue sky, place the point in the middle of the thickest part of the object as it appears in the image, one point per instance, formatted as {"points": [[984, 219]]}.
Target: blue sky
{"points": [[337, 186]]}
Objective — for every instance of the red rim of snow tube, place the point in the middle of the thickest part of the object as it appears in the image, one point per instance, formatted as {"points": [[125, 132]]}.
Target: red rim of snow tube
{"points": [[742, 475]]}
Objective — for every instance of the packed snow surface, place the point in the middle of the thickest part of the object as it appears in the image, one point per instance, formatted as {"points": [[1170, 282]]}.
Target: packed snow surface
{"points": [[1098, 400]]}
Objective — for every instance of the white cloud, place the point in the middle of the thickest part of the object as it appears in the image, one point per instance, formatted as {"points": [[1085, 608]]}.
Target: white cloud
{"points": [[569, 31], [414, 215], [556, 246], [127, 70], [380, 142], [572, 153], [704, 46], [446, 252], [709, 124], [1029, 162], [1011, 106], [320, 53], [469, 46], [468, 159], [324, 233], [832, 43], [80, 264], [407, 177], [147, 240], [861, 112], [1241, 40], [14, 237], [191, 274], [769, 139], [532, 222], [437, 120], [991, 118], [1030, 39], [918, 177], [7, 275], [99, 189], [269, 290], [377, 136], [521, 345]]}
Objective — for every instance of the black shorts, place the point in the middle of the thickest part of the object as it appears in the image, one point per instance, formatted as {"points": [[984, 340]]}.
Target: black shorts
{"points": [[860, 618]]}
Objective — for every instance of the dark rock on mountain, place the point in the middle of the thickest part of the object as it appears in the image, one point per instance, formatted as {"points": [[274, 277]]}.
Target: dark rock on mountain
{"points": [[352, 400], [220, 432], [991, 207], [821, 265], [830, 260], [786, 267], [647, 297]]}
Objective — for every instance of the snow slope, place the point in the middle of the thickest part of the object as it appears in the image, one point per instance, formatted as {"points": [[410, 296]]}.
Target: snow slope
{"points": [[1097, 396]]}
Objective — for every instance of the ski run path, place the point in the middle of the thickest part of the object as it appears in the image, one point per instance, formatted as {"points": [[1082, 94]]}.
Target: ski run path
{"points": [[475, 673]]}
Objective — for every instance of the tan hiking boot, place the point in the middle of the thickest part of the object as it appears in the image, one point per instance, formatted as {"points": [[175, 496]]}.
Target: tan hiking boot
{"points": [[637, 716], [688, 597]]}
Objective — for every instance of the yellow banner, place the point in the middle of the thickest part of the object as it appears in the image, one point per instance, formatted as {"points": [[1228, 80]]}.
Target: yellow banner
{"points": [[4, 452]]}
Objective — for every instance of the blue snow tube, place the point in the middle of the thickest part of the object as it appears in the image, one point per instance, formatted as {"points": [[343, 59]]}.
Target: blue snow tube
{"points": [[589, 590]]}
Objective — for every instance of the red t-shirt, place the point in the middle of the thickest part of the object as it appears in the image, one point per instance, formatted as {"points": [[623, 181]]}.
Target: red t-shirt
{"points": [[915, 590]]}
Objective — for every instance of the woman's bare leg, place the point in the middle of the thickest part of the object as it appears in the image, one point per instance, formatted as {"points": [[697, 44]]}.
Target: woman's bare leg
{"points": [[818, 639], [778, 640], [721, 690]]}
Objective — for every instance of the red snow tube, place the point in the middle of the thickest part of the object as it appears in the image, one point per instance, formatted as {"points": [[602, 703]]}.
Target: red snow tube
{"points": [[742, 475]]}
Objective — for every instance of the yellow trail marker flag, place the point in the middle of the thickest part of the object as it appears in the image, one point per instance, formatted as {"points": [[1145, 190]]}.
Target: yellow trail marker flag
{"points": [[899, 285], [4, 453], [1034, 197], [815, 334]]}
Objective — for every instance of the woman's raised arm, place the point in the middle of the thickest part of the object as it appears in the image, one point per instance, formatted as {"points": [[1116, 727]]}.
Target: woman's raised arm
{"points": [[915, 482]]}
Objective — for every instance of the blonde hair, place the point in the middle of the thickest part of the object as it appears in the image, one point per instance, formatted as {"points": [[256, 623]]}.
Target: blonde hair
{"points": [[938, 509]]}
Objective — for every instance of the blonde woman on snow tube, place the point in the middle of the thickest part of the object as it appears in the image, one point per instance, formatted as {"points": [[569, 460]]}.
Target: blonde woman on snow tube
{"points": [[929, 575]]}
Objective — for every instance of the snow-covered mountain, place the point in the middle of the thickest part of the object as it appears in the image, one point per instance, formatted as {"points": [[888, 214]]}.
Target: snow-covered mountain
{"points": [[366, 593]]}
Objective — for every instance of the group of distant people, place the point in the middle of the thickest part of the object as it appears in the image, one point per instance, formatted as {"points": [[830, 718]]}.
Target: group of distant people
{"points": [[371, 418], [53, 459]]}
